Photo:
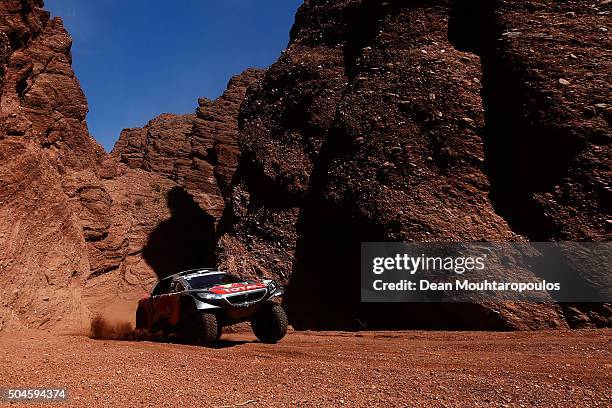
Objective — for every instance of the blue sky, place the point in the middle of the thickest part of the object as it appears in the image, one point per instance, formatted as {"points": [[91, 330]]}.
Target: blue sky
{"points": [[136, 59]]}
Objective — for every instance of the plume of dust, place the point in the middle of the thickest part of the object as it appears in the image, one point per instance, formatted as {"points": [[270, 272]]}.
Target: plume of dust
{"points": [[114, 323], [102, 329]]}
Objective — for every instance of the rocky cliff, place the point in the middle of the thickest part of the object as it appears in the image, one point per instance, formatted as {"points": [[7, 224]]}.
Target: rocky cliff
{"points": [[43, 142], [422, 121], [546, 96], [83, 232], [431, 120], [197, 151], [174, 176]]}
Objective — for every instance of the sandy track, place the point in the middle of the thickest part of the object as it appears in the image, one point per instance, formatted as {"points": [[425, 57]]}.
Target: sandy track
{"points": [[321, 369]]}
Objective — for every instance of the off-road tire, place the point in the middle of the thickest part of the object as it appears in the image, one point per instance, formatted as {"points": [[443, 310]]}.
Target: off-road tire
{"points": [[210, 330], [270, 324]]}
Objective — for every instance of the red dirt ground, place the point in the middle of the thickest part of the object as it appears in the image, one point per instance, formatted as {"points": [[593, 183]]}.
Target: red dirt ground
{"points": [[388, 369]]}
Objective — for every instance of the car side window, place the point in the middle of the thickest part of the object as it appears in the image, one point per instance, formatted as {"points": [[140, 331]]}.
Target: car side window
{"points": [[162, 288], [176, 287]]}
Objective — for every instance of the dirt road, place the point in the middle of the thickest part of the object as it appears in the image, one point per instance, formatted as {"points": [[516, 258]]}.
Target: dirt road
{"points": [[389, 369]]}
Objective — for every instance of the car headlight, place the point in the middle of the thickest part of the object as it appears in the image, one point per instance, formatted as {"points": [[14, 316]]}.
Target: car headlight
{"points": [[278, 292], [272, 286]]}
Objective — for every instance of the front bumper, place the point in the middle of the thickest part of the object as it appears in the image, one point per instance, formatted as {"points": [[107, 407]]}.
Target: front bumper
{"points": [[237, 306]]}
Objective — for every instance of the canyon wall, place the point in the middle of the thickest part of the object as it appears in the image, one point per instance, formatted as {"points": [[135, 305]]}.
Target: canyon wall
{"points": [[430, 120], [81, 231], [422, 121], [44, 142]]}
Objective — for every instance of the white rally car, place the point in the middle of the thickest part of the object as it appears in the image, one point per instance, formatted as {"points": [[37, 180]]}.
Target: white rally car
{"points": [[199, 303]]}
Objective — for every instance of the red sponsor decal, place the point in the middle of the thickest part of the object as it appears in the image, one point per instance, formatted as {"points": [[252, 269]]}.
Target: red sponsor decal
{"points": [[236, 288]]}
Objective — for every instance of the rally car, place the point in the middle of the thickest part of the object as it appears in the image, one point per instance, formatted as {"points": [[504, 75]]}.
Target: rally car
{"points": [[199, 303]]}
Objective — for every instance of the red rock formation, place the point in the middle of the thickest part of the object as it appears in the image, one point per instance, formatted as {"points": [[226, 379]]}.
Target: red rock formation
{"points": [[199, 152], [370, 128], [165, 186], [81, 231], [547, 99], [40, 93], [43, 140], [546, 93]]}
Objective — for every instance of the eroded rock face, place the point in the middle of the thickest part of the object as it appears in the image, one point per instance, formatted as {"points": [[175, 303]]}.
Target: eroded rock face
{"points": [[547, 98], [383, 120], [43, 254], [43, 139], [199, 152], [41, 97], [83, 232], [371, 127]]}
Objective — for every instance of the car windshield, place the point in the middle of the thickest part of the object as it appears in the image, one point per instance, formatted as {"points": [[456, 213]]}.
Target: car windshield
{"points": [[208, 281]]}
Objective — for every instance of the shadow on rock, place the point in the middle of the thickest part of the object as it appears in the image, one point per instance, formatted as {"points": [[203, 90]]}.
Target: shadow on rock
{"points": [[185, 241]]}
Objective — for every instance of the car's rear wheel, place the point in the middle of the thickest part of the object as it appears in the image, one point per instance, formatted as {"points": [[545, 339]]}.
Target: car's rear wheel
{"points": [[270, 324], [142, 319]]}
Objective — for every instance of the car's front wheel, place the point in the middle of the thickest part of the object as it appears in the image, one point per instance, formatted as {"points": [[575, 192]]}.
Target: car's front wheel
{"points": [[270, 324], [211, 328]]}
